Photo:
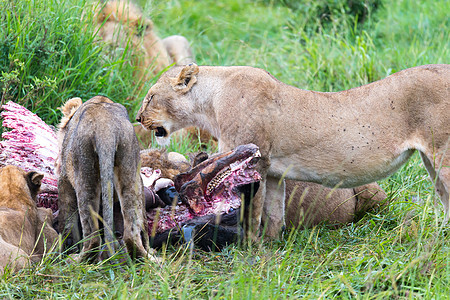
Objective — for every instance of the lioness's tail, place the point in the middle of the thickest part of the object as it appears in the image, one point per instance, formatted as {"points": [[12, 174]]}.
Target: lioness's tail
{"points": [[106, 165]]}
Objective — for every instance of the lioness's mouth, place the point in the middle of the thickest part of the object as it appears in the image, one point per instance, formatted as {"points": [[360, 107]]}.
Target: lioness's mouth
{"points": [[160, 132]]}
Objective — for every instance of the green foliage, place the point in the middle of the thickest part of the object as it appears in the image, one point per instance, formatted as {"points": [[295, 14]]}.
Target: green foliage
{"points": [[325, 11], [297, 49], [49, 53], [11, 82]]}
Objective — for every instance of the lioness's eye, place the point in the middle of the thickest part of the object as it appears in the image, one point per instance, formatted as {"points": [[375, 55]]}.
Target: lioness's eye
{"points": [[147, 99]]}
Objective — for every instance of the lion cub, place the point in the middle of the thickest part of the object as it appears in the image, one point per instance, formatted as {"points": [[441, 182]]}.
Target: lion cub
{"points": [[25, 230], [99, 157]]}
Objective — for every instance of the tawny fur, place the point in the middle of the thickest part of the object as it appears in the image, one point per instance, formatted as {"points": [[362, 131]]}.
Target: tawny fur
{"points": [[25, 230], [99, 158], [69, 108], [170, 164], [309, 204], [120, 21], [347, 138]]}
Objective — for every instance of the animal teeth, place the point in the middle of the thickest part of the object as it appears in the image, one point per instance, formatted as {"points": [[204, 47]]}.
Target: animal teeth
{"points": [[217, 180]]}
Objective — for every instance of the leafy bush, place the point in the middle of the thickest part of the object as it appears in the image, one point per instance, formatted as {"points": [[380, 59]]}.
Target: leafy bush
{"points": [[325, 11]]}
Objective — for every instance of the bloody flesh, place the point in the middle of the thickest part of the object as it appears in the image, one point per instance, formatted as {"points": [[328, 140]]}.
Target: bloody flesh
{"points": [[208, 188]]}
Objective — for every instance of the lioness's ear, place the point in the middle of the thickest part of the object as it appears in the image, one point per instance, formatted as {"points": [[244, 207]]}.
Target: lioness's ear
{"points": [[70, 106], [68, 109], [35, 178], [186, 79]]}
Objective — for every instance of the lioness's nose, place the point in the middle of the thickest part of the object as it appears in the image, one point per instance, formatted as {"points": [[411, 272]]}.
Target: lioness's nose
{"points": [[138, 118]]}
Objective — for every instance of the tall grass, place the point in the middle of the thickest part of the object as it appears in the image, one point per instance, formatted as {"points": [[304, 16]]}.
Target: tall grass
{"points": [[49, 53]]}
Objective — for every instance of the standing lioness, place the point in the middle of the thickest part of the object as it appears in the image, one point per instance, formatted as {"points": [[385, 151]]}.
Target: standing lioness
{"points": [[346, 138], [99, 158]]}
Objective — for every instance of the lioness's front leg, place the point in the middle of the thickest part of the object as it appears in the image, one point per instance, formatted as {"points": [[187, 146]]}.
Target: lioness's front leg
{"points": [[253, 222], [273, 209], [253, 226], [131, 197]]}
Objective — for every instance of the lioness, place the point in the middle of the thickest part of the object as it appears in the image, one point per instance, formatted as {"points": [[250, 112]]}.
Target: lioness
{"points": [[121, 22], [99, 157], [346, 138], [308, 204], [25, 230]]}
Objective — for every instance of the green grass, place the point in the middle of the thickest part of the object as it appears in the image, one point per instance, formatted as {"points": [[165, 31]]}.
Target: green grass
{"points": [[48, 54]]}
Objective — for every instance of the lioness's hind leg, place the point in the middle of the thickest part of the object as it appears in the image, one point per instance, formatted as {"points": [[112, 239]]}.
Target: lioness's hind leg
{"points": [[68, 213], [252, 221], [255, 211], [443, 189], [88, 207], [441, 178], [129, 191]]}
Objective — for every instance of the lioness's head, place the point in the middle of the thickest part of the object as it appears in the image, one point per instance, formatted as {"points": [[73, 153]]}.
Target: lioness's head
{"points": [[123, 15], [122, 25], [18, 187], [167, 107]]}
